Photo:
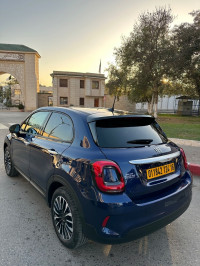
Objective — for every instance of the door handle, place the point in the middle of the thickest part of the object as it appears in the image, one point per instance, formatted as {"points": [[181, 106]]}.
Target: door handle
{"points": [[52, 152]]}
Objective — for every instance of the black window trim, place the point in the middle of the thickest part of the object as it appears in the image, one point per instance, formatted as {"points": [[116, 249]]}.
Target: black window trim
{"points": [[93, 132]]}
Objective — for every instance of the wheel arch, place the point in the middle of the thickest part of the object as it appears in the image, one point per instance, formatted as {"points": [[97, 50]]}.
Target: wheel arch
{"points": [[5, 145], [56, 182], [7, 142]]}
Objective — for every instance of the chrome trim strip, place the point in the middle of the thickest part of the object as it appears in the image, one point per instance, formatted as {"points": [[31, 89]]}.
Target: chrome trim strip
{"points": [[162, 159], [21, 173], [38, 189]]}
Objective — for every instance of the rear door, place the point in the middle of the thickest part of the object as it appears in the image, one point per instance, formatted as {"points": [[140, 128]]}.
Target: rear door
{"points": [[46, 149]]}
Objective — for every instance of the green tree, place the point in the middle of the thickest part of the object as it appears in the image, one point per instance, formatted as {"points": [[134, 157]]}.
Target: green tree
{"points": [[187, 66], [146, 56], [117, 80]]}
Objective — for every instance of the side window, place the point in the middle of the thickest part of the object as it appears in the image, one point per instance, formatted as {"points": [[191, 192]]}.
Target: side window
{"points": [[59, 127], [36, 122]]}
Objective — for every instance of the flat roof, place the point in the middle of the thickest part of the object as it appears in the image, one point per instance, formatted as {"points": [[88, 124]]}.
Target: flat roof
{"points": [[17, 48], [77, 74]]}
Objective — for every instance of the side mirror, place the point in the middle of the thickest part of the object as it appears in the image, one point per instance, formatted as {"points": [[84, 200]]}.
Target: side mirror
{"points": [[14, 128]]}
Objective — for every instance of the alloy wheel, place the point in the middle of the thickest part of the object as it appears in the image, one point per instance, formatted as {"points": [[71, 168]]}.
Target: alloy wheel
{"points": [[7, 161], [63, 219]]}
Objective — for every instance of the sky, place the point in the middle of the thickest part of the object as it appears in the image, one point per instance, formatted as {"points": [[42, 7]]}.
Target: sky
{"points": [[74, 35]]}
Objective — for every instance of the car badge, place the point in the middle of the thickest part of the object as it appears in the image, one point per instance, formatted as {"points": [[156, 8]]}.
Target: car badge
{"points": [[157, 149]]}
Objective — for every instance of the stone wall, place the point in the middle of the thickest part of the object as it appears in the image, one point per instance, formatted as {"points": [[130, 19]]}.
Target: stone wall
{"points": [[122, 104], [16, 69]]}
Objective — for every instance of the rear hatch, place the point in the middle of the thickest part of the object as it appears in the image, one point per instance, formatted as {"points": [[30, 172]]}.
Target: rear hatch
{"points": [[150, 164]]}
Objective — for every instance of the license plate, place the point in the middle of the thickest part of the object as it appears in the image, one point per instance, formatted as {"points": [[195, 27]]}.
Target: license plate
{"points": [[161, 170]]}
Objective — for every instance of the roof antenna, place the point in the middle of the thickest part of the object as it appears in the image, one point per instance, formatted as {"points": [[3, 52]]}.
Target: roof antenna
{"points": [[113, 107], [100, 67]]}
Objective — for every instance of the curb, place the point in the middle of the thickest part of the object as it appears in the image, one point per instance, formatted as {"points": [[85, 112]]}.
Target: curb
{"points": [[186, 142], [194, 168]]}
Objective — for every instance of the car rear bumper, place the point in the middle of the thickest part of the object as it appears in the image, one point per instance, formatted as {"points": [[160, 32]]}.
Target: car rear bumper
{"points": [[129, 221]]}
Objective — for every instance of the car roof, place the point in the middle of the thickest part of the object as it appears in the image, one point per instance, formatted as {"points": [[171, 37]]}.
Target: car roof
{"points": [[92, 114]]}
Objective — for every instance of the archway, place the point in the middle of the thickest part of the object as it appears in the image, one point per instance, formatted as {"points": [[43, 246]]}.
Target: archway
{"points": [[22, 63], [11, 93]]}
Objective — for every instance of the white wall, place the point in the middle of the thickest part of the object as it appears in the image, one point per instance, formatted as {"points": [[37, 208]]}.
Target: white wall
{"points": [[165, 103]]}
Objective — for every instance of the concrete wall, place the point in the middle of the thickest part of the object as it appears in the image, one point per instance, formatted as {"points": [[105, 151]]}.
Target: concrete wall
{"points": [[31, 81], [165, 104], [43, 99]]}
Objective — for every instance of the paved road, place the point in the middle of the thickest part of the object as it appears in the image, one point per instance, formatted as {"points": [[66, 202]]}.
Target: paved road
{"points": [[27, 236], [8, 118]]}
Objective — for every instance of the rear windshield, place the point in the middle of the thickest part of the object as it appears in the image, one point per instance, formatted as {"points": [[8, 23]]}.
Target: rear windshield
{"points": [[127, 132]]}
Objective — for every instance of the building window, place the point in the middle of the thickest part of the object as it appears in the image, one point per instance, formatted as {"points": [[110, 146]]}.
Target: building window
{"points": [[82, 84], [95, 84], [96, 102], [64, 83], [82, 100], [63, 100]]}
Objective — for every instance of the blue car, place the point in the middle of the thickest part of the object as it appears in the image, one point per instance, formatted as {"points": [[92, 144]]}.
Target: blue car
{"points": [[108, 176]]}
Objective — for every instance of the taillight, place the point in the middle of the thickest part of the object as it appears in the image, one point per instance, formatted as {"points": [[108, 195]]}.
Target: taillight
{"points": [[184, 159], [108, 176]]}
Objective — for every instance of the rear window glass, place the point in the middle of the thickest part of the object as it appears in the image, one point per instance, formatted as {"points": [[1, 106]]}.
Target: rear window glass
{"points": [[128, 132]]}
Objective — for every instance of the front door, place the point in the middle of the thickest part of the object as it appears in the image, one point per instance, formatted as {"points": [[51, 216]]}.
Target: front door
{"points": [[46, 149], [20, 142], [96, 102], [20, 152]]}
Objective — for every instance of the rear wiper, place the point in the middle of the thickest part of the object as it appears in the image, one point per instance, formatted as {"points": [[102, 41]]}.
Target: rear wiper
{"points": [[140, 141]]}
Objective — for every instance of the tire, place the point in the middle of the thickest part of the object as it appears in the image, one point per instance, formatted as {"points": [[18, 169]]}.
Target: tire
{"points": [[66, 218], [9, 167]]}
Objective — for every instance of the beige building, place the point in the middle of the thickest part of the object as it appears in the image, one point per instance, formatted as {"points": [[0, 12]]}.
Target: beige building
{"points": [[78, 89], [22, 63], [45, 96]]}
